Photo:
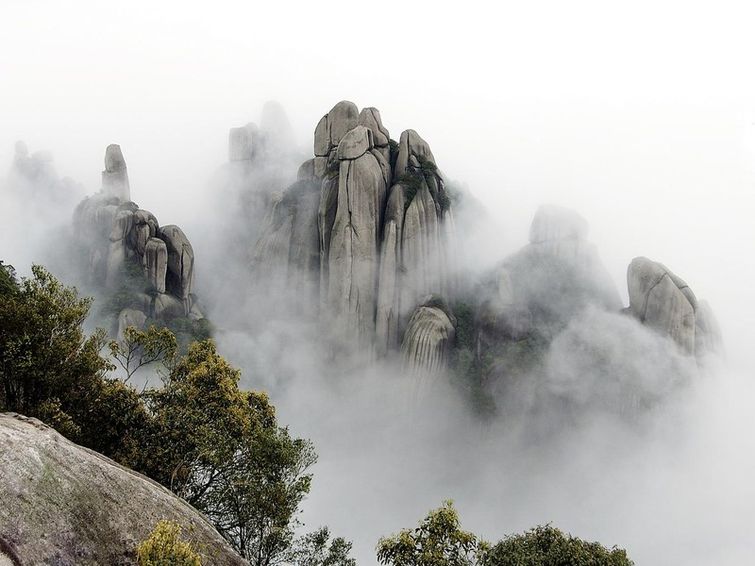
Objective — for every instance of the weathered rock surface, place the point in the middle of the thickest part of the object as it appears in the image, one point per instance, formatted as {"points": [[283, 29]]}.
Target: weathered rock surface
{"points": [[115, 176], [242, 142], [123, 241], [379, 255], [664, 302], [180, 274], [428, 338], [156, 263], [66, 505], [416, 238], [130, 317]]}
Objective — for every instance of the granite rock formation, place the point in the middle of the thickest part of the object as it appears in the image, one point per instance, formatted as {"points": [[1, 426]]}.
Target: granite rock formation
{"points": [[64, 504], [663, 301], [429, 338], [549, 281], [364, 228], [126, 248]]}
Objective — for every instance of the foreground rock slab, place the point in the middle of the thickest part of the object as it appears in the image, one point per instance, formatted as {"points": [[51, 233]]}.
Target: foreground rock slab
{"points": [[66, 505]]}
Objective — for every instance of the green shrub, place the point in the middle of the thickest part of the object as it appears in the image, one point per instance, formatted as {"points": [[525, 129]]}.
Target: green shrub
{"points": [[412, 183], [164, 547], [546, 546]]}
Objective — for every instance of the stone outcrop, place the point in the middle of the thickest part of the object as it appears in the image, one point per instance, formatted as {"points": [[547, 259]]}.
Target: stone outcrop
{"points": [[377, 215], [429, 338], [663, 301], [417, 233], [129, 252], [549, 281], [64, 504], [115, 176]]}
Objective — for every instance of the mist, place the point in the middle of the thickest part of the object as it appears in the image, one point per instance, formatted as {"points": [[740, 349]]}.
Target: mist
{"points": [[642, 121]]}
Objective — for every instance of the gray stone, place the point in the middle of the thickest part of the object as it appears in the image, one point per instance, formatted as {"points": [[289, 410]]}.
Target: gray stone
{"points": [[411, 147], [658, 301], [242, 143], [306, 171], [180, 274], [370, 118], [156, 263], [708, 340], [555, 224], [343, 117], [167, 306], [354, 247], [130, 317], [64, 504], [428, 340], [322, 138], [355, 143], [115, 176]]}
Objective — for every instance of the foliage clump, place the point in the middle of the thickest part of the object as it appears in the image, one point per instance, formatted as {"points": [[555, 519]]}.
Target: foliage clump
{"points": [[440, 541], [318, 549], [49, 368], [164, 547], [546, 545], [437, 541]]}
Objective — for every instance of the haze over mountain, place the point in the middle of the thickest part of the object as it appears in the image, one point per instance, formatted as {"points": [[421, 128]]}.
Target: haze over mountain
{"points": [[560, 198]]}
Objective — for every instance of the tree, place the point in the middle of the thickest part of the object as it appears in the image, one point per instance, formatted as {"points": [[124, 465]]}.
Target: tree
{"points": [[48, 366], [140, 348], [313, 550], [437, 541], [218, 447], [548, 546], [164, 547], [222, 450]]}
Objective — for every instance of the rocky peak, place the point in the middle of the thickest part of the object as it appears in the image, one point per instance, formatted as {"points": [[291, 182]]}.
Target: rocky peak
{"points": [[128, 249], [380, 236], [115, 176]]}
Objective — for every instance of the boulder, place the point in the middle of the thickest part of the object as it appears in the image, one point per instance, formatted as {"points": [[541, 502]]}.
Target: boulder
{"points": [[355, 143], [165, 307], [428, 338], [155, 263], [64, 504], [342, 118], [708, 340], [180, 273], [130, 317], [662, 301], [370, 118], [412, 150], [115, 176], [242, 143]]}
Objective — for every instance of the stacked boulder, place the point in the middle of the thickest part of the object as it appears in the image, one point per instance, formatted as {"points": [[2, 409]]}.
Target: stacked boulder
{"points": [[123, 241], [661, 300], [365, 228]]}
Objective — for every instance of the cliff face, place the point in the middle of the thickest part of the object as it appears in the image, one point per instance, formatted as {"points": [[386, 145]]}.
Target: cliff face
{"points": [[67, 505], [363, 232], [123, 241]]}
